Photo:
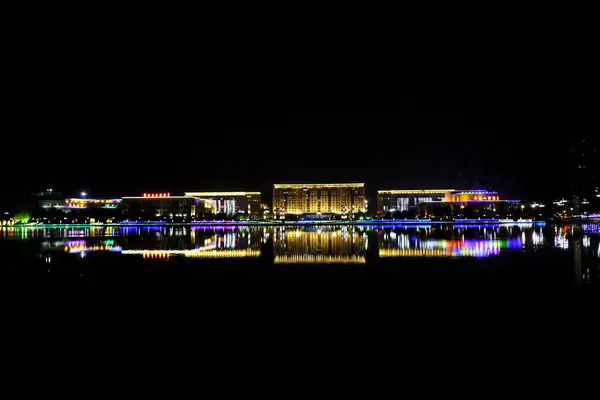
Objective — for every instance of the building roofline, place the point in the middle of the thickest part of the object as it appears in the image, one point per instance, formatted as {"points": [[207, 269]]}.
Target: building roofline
{"points": [[215, 194], [414, 191], [159, 198], [316, 185]]}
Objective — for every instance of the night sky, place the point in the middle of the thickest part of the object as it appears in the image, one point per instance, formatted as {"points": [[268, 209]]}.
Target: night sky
{"points": [[145, 141]]}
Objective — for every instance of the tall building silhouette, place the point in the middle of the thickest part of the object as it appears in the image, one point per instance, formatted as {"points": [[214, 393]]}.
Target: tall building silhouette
{"points": [[584, 163]]}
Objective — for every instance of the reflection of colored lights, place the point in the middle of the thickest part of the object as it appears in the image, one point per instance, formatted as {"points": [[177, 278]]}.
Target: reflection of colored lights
{"points": [[450, 248]]}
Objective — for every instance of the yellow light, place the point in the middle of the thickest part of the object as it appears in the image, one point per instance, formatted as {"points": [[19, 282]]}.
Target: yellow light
{"points": [[317, 185], [415, 191], [217, 194]]}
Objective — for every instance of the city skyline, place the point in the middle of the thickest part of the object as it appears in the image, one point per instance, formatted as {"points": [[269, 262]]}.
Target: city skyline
{"points": [[422, 145]]}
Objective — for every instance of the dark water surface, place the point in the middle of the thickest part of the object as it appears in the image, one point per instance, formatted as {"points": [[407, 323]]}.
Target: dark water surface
{"points": [[426, 288], [172, 257]]}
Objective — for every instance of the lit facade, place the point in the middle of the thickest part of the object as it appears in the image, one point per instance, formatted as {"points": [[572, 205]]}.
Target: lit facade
{"points": [[403, 200], [93, 203], [230, 203], [335, 198], [471, 195], [164, 205], [470, 204]]}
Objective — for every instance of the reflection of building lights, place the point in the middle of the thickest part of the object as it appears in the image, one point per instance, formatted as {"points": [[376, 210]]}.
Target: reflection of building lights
{"points": [[561, 242], [586, 241], [319, 259], [195, 253], [538, 239]]}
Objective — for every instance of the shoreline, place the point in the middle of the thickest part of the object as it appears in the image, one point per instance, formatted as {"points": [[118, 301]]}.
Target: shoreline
{"points": [[289, 223]]}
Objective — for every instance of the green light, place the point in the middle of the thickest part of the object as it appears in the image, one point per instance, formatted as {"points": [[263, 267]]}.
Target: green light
{"points": [[22, 216]]}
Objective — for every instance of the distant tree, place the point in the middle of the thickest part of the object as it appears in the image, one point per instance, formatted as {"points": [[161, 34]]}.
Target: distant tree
{"points": [[22, 216], [241, 217]]}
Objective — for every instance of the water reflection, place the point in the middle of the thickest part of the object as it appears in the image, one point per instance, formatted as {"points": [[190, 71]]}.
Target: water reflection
{"points": [[164, 243], [320, 245], [458, 241], [414, 247], [80, 246], [310, 244]]}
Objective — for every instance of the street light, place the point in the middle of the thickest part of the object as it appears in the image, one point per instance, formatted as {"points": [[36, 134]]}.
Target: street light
{"points": [[83, 194]]}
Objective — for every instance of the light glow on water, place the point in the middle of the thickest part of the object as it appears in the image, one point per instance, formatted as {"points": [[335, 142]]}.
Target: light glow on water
{"points": [[327, 244]]}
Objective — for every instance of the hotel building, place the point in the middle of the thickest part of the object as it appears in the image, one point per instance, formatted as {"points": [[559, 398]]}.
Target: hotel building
{"points": [[403, 200], [313, 198], [230, 203]]}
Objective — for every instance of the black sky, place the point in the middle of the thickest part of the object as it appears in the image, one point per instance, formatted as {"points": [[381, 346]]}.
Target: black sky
{"points": [[113, 151], [123, 122]]}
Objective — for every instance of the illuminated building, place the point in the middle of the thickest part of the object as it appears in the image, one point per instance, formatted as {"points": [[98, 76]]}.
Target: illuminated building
{"points": [[471, 195], [49, 198], [81, 204], [93, 203], [320, 246], [163, 205], [344, 199], [403, 200], [230, 203], [470, 204]]}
